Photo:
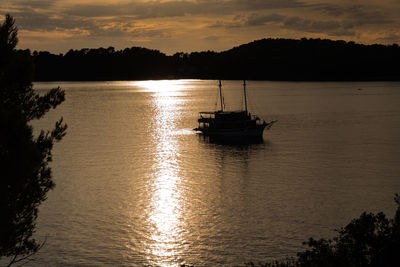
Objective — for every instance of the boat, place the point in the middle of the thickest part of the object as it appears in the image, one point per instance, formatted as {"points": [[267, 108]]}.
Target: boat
{"points": [[231, 124]]}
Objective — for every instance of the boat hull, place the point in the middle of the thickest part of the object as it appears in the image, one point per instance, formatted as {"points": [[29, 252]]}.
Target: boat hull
{"points": [[248, 132]]}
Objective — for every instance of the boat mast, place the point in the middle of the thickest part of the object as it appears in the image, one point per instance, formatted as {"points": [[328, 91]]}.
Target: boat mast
{"points": [[245, 95], [220, 96]]}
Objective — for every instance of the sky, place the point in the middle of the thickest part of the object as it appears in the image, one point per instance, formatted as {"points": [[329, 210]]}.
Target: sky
{"points": [[197, 25]]}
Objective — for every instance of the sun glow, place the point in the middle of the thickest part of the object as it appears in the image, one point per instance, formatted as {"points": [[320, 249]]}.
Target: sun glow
{"points": [[167, 88]]}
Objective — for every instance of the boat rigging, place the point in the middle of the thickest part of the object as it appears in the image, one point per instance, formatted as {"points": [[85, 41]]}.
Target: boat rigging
{"points": [[223, 123]]}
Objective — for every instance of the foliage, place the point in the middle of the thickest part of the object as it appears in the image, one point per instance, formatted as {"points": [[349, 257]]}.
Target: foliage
{"points": [[24, 159], [371, 240]]}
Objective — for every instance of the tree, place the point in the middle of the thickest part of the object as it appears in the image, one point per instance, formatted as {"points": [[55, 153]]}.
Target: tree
{"points": [[25, 175], [371, 240]]}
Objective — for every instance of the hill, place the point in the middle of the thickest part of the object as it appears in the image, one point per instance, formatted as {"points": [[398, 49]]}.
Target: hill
{"points": [[266, 59]]}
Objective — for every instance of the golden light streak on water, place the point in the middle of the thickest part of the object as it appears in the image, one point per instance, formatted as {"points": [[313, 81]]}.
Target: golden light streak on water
{"points": [[166, 203]]}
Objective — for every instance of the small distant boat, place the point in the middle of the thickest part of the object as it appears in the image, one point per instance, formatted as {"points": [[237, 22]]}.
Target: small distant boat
{"points": [[233, 124]]}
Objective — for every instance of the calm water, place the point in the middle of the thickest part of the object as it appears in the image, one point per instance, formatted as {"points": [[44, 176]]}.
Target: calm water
{"points": [[135, 185]]}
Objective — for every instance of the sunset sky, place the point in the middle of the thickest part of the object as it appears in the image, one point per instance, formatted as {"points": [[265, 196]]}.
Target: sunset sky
{"points": [[195, 25]]}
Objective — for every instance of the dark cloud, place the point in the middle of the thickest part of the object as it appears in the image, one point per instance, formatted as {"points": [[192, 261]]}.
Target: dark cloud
{"points": [[266, 4], [330, 27], [96, 10], [33, 3], [156, 9], [330, 9], [336, 20], [311, 25], [360, 15], [36, 21], [226, 24], [393, 38], [30, 19], [249, 21], [257, 19], [212, 38], [136, 10]]}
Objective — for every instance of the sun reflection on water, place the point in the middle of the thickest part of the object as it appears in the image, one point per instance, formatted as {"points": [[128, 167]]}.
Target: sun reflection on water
{"points": [[163, 87], [166, 203]]}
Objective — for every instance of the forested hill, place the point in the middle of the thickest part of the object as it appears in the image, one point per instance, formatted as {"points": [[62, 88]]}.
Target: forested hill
{"points": [[266, 59]]}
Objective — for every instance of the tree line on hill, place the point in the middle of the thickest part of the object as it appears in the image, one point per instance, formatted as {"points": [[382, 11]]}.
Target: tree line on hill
{"points": [[266, 59]]}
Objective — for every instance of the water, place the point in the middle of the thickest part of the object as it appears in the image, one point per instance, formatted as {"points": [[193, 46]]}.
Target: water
{"points": [[135, 185]]}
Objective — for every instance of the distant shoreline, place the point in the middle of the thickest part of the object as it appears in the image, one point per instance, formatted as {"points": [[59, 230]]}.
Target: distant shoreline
{"points": [[264, 60]]}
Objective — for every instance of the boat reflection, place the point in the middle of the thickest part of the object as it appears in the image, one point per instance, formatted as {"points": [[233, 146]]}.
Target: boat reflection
{"points": [[230, 141]]}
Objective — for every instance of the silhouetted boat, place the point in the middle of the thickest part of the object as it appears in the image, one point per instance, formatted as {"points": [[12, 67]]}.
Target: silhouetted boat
{"points": [[235, 124]]}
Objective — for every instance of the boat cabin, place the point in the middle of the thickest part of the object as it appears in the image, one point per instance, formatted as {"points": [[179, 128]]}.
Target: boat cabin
{"points": [[227, 120]]}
